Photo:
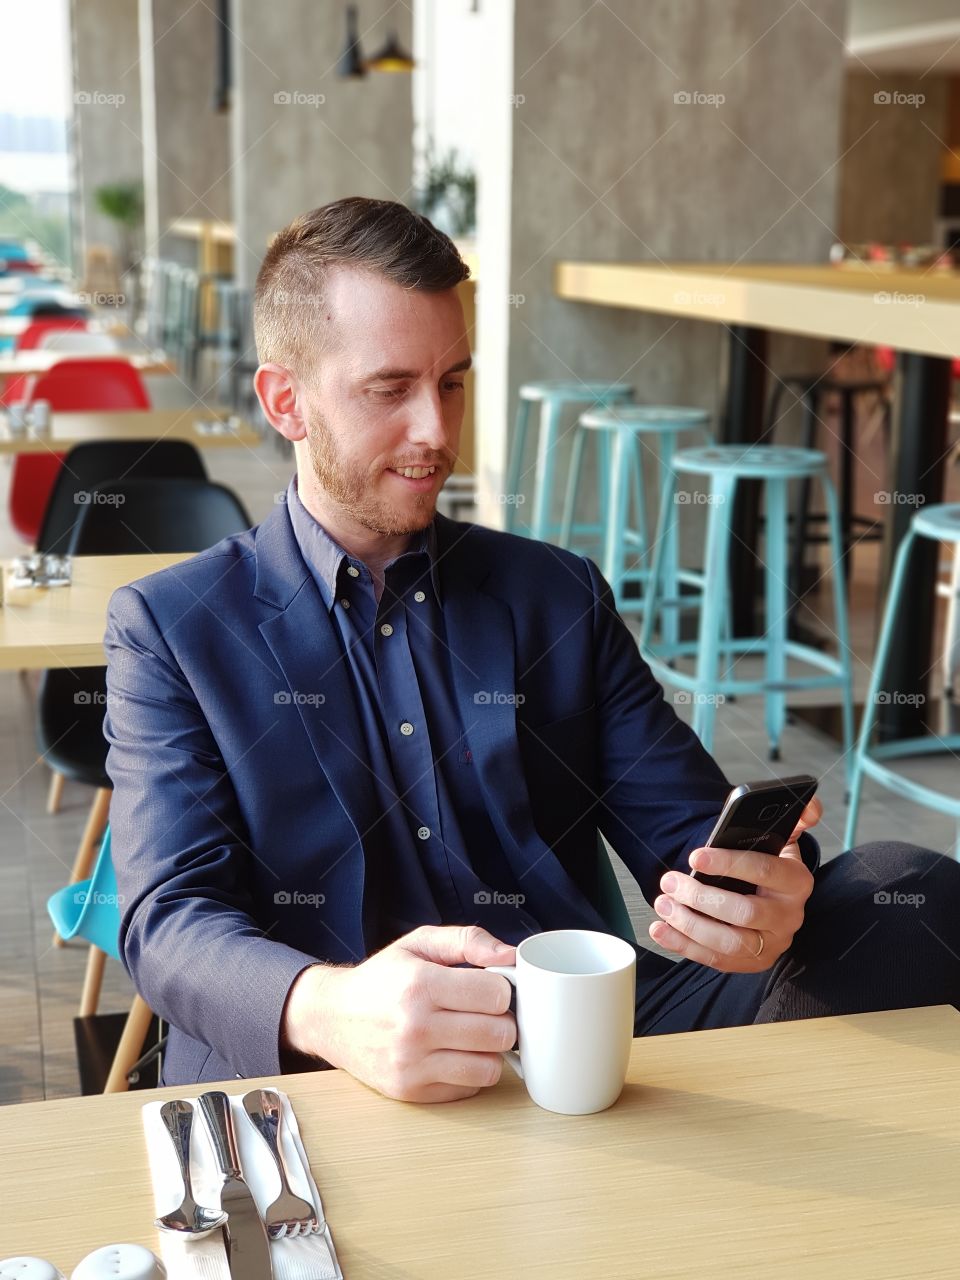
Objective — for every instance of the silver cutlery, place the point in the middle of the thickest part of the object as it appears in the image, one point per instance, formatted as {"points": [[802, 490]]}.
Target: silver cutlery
{"points": [[289, 1215], [248, 1248], [190, 1218]]}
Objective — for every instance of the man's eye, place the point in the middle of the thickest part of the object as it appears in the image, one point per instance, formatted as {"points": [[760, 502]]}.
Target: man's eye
{"points": [[388, 393], [453, 386]]}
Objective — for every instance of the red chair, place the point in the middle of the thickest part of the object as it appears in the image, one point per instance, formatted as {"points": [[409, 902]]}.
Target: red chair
{"points": [[29, 340], [69, 385]]}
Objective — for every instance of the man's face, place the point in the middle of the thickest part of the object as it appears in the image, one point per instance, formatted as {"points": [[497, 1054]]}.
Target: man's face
{"points": [[385, 403]]}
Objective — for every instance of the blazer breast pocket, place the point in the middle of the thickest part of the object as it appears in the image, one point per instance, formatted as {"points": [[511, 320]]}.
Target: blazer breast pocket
{"points": [[559, 747]]}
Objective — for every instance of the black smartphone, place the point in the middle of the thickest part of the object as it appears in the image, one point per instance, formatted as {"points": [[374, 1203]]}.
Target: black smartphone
{"points": [[758, 816]]}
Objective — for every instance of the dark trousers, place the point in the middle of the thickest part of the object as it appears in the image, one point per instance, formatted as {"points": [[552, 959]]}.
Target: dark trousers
{"points": [[881, 930]]}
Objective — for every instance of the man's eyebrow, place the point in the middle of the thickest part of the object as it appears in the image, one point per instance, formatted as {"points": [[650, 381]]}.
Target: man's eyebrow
{"points": [[399, 375]]}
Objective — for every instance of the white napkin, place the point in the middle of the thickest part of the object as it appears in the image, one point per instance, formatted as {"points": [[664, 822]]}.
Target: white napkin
{"points": [[303, 1258]]}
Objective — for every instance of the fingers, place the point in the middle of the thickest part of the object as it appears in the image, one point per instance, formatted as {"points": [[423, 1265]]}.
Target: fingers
{"points": [[809, 818], [738, 956], [772, 875], [741, 910], [463, 1070], [449, 945], [467, 990], [473, 1032]]}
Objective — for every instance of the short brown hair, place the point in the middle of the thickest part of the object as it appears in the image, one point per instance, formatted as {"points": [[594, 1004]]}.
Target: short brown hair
{"points": [[380, 236]]}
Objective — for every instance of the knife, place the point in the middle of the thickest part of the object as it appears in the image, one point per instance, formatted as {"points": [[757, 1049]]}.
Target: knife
{"points": [[248, 1249]]}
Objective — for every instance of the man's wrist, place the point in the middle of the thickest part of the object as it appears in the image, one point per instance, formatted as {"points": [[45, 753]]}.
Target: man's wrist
{"points": [[307, 1024]]}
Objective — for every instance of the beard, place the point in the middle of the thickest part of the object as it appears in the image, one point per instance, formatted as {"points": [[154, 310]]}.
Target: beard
{"points": [[350, 485]]}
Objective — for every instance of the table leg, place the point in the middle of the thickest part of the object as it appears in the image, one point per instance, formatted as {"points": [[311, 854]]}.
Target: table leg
{"points": [[742, 423], [919, 445]]}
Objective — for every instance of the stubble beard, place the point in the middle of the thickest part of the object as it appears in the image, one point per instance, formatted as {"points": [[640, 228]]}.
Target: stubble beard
{"points": [[349, 487]]}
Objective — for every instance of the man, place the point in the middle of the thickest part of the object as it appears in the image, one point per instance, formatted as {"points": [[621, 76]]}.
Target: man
{"points": [[361, 751]]}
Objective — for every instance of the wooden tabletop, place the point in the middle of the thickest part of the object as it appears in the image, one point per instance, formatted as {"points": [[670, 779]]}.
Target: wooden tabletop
{"points": [[41, 361], [63, 626], [911, 310], [824, 1148], [14, 326], [68, 429]]}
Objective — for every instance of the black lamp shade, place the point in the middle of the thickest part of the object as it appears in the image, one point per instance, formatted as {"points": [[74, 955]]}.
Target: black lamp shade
{"points": [[351, 62]]}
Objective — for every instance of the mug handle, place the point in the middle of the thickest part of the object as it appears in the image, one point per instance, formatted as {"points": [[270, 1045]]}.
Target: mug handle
{"points": [[508, 971]]}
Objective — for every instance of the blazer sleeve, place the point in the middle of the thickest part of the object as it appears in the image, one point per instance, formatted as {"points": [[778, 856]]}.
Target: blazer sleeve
{"points": [[187, 933], [660, 791]]}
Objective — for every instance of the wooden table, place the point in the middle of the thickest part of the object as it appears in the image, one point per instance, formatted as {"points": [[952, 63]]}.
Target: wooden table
{"points": [[64, 626], [14, 326], [68, 429], [38, 361], [828, 1148], [917, 312]]}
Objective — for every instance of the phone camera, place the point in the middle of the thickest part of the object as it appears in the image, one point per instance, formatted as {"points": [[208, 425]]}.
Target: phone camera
{"points": [[771, 811]]}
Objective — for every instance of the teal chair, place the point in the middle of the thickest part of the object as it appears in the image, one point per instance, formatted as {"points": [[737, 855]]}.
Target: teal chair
{"points": [[90, 910], [940, 524], [552, 398], [724, 467], [623, 435]]}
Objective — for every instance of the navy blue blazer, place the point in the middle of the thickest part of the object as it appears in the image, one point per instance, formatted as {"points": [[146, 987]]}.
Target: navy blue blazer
{"points": [[238, 789]]}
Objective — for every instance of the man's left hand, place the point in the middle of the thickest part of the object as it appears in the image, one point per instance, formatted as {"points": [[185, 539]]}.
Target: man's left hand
{"points": [[722, 929]]}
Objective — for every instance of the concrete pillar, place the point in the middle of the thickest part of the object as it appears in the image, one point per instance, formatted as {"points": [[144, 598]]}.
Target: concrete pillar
{"points": [[186, 143], [302, 135], [105, 129], [594, 114]]}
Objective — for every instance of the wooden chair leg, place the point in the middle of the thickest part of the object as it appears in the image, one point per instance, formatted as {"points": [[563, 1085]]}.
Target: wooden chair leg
{"points": [[55, 794], [131, 1045], [92, 835], [92, 982]]}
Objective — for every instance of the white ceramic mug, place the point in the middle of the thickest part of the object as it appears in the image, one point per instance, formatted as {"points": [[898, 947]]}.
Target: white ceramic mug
{"points": [[576, 991]]}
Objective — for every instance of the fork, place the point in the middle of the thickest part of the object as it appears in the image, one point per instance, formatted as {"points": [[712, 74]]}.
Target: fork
{"points": [[289, 1215]]}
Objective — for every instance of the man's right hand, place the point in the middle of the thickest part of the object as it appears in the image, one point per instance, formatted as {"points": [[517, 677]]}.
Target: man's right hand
{"points": [[405, 1021]]}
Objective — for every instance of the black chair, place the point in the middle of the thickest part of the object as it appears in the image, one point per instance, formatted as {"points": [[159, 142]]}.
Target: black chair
{"points": [[88, 465], [124, 517]]}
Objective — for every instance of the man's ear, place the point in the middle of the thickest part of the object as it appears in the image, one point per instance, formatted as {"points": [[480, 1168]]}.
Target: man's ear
{"points": [[279, 394]]}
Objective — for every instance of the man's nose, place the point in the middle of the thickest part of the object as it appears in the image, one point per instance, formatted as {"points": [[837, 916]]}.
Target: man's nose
{"points": [[427, 426]]}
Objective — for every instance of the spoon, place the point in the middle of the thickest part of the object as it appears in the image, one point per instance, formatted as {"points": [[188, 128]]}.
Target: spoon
{"points": [[190, 1218]]}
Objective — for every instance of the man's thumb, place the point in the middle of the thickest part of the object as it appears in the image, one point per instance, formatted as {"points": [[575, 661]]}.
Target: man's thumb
{"points": [[457, 944]]}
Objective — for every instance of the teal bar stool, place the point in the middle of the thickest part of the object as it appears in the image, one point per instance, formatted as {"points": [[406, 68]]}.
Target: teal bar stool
{"points": [[940, 524], [725, 466], [552, 397], [623, 435]]}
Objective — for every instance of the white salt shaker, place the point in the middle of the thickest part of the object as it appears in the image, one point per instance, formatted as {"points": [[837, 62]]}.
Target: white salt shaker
{"points": [[40, 417], [17, 418], [28, 1269], [120, 1262]]}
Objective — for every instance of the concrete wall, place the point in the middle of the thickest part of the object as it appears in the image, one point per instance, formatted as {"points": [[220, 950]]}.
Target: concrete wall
{"points": [[606, 164], [302, 134], [106, 143], [891, 170], [186, 142]]}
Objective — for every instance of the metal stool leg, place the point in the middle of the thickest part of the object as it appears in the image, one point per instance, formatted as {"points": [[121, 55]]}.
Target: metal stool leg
{"points": [[716, 568], [515, 467], [776, 619], [616, 519], [546, 468], [840, 623], [573, 485]]}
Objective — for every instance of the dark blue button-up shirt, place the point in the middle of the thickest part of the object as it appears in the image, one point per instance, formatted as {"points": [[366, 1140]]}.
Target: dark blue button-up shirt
{"points": [[433, 830]]}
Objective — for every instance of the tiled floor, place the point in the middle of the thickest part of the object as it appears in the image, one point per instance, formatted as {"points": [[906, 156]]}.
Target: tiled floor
{"points": [[40, 985]]}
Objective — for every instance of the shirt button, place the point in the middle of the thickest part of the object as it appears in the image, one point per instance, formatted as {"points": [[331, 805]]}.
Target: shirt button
{"points": [[345, 603], [353, 571], [386, 629], [419, 596], [406, 728], [423, 833]]}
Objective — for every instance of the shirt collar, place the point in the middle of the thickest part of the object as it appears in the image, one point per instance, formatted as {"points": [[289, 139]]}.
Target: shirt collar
{"points": [[325, 557]]}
